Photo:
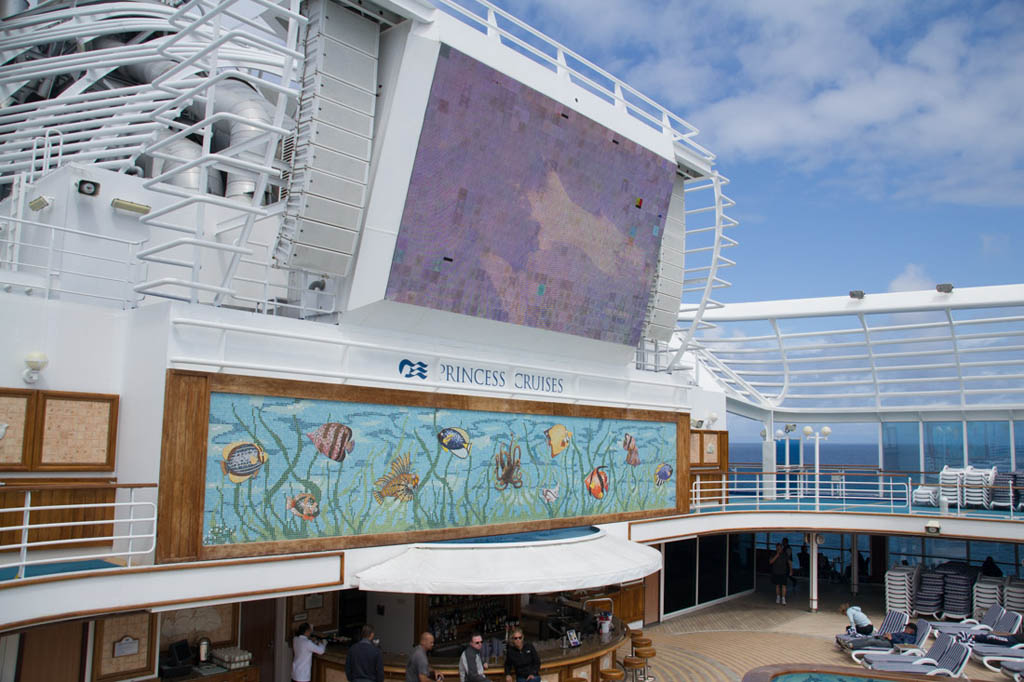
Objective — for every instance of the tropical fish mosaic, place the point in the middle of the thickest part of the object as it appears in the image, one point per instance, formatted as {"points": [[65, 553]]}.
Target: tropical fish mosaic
{"points": [[558, 439], [303, 505], [456, 441], [333, 440], [662, 473], [400, 483], [282, 468], [596, 482], [632, 451], [242, 461]]}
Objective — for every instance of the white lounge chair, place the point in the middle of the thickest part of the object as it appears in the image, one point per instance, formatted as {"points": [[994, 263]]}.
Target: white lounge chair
{"points": [[1014, 670], [934, 653], [951, 664], [915, 649], [987, 623]]}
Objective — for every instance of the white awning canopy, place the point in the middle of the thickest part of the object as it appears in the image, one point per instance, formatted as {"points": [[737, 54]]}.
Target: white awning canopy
{"points": [[495, 567]]}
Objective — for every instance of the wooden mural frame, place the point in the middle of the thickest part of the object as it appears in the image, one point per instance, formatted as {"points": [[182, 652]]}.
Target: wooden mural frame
{"points": [[39, 445], [99, 654], [184, 452], [27, 427]]}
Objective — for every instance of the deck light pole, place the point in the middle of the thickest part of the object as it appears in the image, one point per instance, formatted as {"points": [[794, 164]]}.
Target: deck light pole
{"points": [[824, 433]]}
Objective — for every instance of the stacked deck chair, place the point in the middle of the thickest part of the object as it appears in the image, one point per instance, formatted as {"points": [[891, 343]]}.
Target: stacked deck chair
{"points": [[894, 621], [926, 496], [987, 591], [916, 649], [1014, 670], [958, 596], [992, 655], [951, 485], [1001, 497], [970, 626], [1013, 595], [928, 598], [978, 487], [899, 588], [951, 663]]}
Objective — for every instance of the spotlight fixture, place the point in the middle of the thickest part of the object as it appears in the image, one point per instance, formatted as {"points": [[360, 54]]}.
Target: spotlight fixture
{"points": [[131, 206], [318, 285], [789, 428], [89, 188], [933, 527], [34, 364], [857, 293], [40, 202], [944, 288], [698, 424]]}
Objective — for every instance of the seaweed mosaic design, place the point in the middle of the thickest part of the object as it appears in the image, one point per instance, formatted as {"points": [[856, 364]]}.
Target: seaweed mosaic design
{"points": [[287, 468]]}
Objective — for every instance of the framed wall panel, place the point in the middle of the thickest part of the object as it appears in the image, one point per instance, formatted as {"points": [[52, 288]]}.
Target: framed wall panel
{"points": [[106, 665], [17, 414], [75, 431], [267, 462], [218, 622]]}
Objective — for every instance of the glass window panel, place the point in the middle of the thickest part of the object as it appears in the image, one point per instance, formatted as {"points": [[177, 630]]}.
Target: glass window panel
{"points": [[943, 445], [711, 560], [988, 445], [1018, 444], [900, 448], [951, 550], [1004, 554], [680, 574], [899, 544], [741, 562]]}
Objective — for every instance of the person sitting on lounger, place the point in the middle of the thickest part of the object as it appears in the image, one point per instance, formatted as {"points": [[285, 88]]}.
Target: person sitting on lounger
{"points": [[859, 623], [908, 636], [1005, 639]]}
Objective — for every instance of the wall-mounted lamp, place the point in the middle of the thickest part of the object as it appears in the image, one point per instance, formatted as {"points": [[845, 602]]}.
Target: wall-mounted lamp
{"points": [[40, 202], [944, 288], [712, 418], [779, 433], [933, 527], [857, 294], [789, 428], [130, 206], [698, 424], [34, 364]]}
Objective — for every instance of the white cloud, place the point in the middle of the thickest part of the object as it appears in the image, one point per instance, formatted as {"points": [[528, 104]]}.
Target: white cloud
{"points": [[924, 96], [913, 278], [994, 244]]}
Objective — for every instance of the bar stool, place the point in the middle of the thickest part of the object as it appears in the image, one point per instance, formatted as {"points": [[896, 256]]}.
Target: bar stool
{"points": [[633, 634], [611, 675], [640, 642], [647, 653], [632, 665]]}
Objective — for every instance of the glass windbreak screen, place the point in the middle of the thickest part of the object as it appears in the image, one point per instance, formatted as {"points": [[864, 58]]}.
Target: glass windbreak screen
{"points": [[1004, 556], [988, 445], [1018, 445], [904, 551], [680, 583], [900, 447], [710, 568], [741, 562], [943, 445]]}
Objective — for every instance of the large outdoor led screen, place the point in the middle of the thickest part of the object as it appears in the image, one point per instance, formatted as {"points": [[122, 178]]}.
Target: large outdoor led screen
{"points": [[521, 210]]}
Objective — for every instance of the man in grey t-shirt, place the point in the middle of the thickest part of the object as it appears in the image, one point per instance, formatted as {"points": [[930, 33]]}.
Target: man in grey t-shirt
{"points": [[418, 669]]}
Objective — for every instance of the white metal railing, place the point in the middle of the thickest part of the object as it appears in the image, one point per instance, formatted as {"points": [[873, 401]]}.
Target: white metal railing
{"points": [[39, 258], [132, 527], [842, 490]]}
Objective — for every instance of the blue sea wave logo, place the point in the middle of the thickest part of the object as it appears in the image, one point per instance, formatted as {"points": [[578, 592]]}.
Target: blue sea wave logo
{"points": [[410, 369]]}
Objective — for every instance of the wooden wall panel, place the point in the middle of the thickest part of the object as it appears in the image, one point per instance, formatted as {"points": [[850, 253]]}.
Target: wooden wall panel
{"points": [[10, 498], [182, 467]]}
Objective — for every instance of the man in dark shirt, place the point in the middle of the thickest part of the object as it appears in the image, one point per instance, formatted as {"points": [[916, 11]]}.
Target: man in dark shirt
{"points": [[908, 636], [364, 662], [522, 664], [418, 668]]}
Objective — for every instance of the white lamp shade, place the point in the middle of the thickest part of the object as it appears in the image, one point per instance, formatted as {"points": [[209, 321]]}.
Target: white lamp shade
{"points": [[826, 431], [808, 430]]}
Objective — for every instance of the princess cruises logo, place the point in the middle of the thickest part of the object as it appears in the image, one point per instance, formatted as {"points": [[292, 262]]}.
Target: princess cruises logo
{"points": [[410, 369]]}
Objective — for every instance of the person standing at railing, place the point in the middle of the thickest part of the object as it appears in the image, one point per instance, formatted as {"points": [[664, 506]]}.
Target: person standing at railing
{"points": [[781, 566]]}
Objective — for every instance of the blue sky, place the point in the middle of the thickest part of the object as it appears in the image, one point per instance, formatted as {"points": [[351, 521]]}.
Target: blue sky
{"points": [[874, 145]]}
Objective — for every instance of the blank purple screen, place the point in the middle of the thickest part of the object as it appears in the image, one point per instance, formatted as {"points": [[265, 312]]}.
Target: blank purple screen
{"points": [[521, 210]]}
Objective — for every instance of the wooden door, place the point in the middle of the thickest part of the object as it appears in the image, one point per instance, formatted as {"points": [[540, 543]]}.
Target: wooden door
{"points": [[258, 621], [52, 653], [652, 598]]}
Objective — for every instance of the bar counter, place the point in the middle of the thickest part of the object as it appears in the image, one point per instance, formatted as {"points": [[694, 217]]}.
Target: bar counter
{"points": [[557, 664]]}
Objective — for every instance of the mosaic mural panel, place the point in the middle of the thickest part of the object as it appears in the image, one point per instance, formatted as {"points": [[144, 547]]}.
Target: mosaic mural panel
{"points": [[282, 468]]}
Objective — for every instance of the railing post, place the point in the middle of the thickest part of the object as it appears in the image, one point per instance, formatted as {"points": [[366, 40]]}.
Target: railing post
{"points": [[699, 494], [25, 519], [131, 524]]}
